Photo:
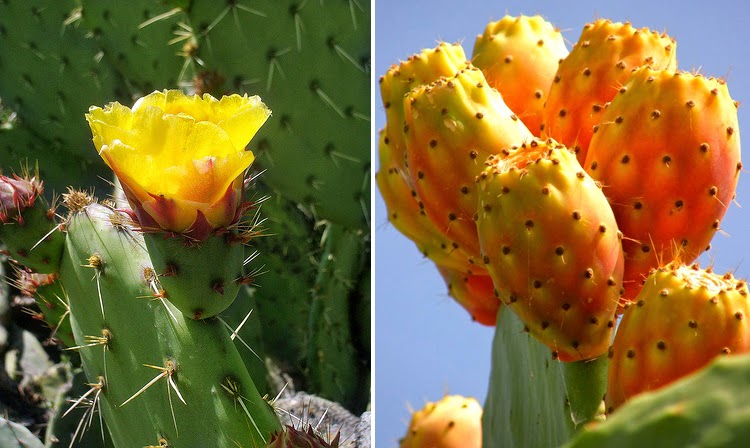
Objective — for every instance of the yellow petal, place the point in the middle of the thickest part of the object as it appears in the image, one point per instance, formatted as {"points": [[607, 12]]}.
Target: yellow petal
{"points": [[242, 125]]}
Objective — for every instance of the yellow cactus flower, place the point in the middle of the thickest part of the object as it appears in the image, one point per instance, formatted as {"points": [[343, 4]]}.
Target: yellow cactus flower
{"points": [[180, 158]]}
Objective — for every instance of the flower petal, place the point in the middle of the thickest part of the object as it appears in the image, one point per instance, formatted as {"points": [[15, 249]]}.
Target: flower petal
{"points": [[242, 125]]}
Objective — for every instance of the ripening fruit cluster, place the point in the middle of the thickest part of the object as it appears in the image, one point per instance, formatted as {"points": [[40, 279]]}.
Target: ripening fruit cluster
{"points": [[572, 187]]}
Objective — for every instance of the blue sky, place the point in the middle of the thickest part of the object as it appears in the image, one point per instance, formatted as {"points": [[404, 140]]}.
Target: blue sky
{"points": [[426, 345]]}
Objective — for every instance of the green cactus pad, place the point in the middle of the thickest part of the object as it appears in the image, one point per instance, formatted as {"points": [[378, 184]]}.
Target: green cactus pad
{"points": [[334, 368], [534, 400], [14, 435], [135, 38], [200, 279], [32, 241], [109, 280], [708, 409], [310, 62], [50, 74]]}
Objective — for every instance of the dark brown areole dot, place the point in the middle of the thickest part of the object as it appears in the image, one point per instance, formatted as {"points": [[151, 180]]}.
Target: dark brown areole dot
{"points": [[505, 250], [704, 147], [690, 103], [486, 260], [420, 174], [566, 306], [529, 224], [508, 59], [661, 345], [577, 215], [587, 72], [726, 351], [619, 119], [638, 205], [473, 154], [738, 315], [679, 204], [574, 344], [479, 115], [562, 113], [630, 354], [452, 216], [594, 321], [538, 94], [589, 273], [596, 108], [655, 114], [544, 325], [559, 250], [625, 159], [645, 248], [602, 228], [433, 143], [730, 130], [666, 160], [713, 191]]}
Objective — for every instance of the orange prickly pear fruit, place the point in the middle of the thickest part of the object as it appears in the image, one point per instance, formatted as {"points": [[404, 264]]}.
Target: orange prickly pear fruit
{"points": [[683, 318], [551, 244], [668, 154], [592, 74], [452, 126], [519, 57], [453, 422], [474, 292]]}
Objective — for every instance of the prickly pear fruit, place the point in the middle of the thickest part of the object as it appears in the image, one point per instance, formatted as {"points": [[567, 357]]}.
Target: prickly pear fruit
{"points": [[201, 280], [519, 57], [666, 127], [551, 244], [599, 64], [452, 125], [406, 214], [27, 224], [474, 292], [683, 318], [419, 69], [452, 422]]}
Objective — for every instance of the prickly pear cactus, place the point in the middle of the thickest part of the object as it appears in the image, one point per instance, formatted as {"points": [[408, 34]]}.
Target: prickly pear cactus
{"points": [[639, 166], [310, 62]]}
